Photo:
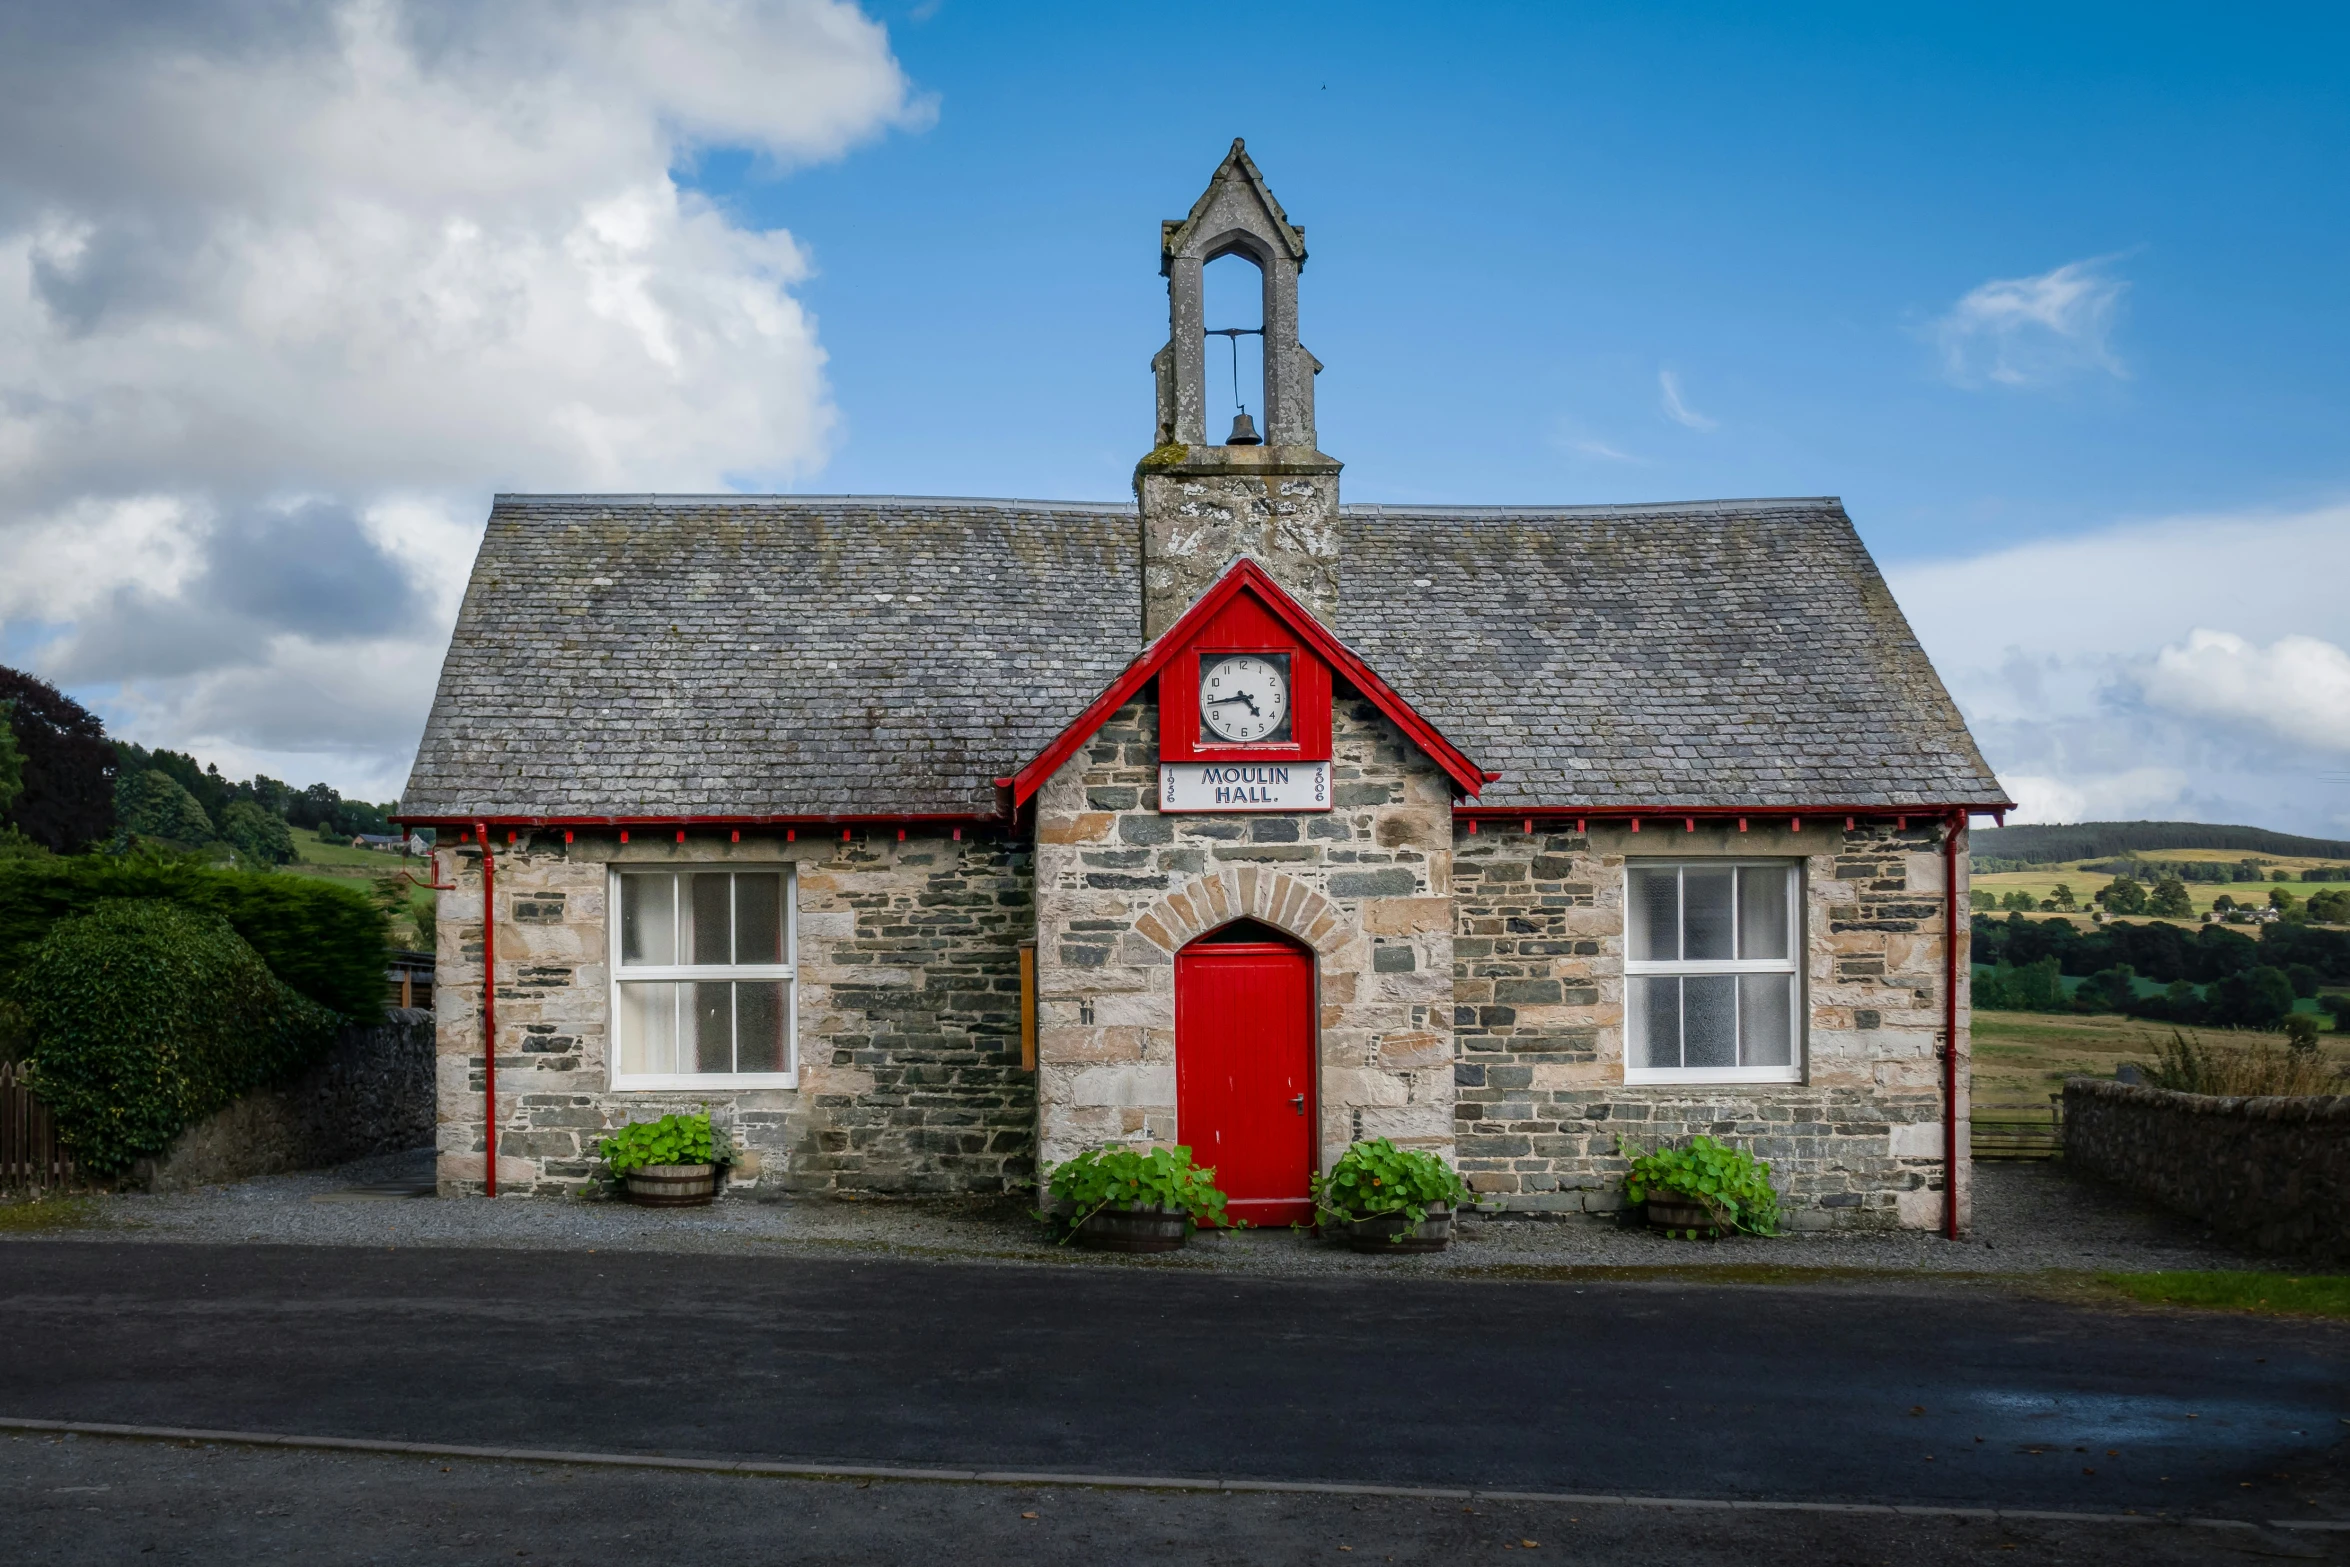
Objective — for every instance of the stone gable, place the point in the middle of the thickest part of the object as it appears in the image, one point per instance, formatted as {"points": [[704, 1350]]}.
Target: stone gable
{"points": [[1366, 885]]}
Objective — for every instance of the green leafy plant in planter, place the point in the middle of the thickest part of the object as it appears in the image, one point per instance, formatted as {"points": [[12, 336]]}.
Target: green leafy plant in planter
{"points": [[1376, 1180], [1730, 1184], [1136, 1178], [674, 1139]]}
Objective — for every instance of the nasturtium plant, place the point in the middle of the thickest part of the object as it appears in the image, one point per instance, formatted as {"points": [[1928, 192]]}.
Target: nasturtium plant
{"points": [[674, 1139], [1730, 1184], [1113, 1176], [1376, 1179]]}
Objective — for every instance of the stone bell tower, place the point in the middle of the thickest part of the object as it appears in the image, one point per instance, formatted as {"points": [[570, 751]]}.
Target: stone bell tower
{"points": [[1273, 498]]}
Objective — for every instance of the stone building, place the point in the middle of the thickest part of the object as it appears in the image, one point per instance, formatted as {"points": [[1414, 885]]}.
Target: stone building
{"points": [[928, 841]]}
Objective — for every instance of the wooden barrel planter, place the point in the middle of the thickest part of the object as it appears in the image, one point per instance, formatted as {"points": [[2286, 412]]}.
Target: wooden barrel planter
{"points": [[1134, 1229], [1393, 1233], [1672, 1211], [672, 1185]]}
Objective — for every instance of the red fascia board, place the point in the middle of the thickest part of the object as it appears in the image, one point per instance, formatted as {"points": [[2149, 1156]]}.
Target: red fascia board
{"points": [[1551, 813], [803, 820], [1245, 576]]}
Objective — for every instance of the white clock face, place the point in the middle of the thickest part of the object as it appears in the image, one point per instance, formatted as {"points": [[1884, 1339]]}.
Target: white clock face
{"points": [[1242, 696]]}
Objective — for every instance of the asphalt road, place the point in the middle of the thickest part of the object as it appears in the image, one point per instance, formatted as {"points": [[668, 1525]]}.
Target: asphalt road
{"points": [[1917, 1393]]}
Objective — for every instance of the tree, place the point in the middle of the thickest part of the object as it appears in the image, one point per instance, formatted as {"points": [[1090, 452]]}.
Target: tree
{"points": [[2281, 900], [2169, 899], [2123, 895], [259, 837], [151, 804], [2303, 978], [67, 799], [2062, 897], [2331, 907], [2280, 875]]}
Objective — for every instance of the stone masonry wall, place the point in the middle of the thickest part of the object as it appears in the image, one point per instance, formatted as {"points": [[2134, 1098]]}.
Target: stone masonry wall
{"points": [[1278, 507], [2273, 1172], [1538, 950], [908, 1037], [1120, 888]]}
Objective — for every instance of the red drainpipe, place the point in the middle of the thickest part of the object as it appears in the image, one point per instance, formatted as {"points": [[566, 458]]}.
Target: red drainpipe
{"points": [[1950, 1024], [489, 1003]]}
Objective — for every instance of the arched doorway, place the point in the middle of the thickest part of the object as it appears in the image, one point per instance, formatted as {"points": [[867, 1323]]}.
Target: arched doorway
{"points": [[1244, 1067]]}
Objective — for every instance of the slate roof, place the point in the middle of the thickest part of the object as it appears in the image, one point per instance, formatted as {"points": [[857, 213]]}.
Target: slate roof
{"points": [[665, 656]]}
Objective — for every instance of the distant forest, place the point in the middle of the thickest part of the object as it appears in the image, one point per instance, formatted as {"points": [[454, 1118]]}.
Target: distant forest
{"points": [[2097, 840]]}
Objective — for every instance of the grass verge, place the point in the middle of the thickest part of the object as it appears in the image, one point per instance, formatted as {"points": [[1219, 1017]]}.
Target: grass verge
{"points": [[47, 1213], [2263, 1294]]}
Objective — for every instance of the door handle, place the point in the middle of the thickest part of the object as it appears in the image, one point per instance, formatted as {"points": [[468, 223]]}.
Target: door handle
{"points": [[1298, 1103]]}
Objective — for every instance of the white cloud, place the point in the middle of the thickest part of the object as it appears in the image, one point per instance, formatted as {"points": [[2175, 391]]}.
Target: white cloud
{"points": [[1678, 411], [2298, 688], [2032, 331], [286, 291], [1569, 436], [2088, 671]]}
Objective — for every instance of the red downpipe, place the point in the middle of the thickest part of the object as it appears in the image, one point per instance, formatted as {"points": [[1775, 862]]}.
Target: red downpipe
{"points": [[1950, 1024], [489, 1004]]}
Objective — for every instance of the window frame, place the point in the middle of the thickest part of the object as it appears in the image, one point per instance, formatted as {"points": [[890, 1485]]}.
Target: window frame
{"points": [[673, 973], [1799, 1033]]}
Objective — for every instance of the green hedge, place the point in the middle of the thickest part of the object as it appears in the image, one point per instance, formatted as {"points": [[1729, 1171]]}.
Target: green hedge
{"points": [[146, 1016], [330, 943]]}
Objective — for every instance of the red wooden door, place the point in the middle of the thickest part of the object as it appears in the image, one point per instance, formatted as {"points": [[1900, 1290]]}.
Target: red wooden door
{"points": [[1244, 1073]]}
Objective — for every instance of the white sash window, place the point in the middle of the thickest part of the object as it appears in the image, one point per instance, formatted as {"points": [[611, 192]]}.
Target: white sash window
{"points": [[1711, 992], [703, 976]]}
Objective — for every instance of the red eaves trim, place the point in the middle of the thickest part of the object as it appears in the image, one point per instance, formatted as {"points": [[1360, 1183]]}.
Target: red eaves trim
{"points": [[1760, 813], [833, 819], [1246, 576]]}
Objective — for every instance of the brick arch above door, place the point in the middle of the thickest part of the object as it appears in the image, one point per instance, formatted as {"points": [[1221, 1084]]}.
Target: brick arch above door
{"points": [[1245, 892]]}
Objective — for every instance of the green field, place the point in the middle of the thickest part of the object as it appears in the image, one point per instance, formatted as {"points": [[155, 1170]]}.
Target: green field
{"points": [[2020, 1058], [363, 869], [2040, 881]]}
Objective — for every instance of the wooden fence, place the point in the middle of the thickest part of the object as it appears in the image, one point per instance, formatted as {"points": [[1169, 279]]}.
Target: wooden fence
{"points": [[2018, 1131], [30, 1155], [410, 980]]}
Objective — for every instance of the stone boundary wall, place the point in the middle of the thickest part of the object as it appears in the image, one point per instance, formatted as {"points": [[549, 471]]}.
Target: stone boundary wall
{"points": [[373, 1093], [2271, 1172]]}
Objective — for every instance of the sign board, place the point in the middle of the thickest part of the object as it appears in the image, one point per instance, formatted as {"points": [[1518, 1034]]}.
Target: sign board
{"points": [[1244, 786]]}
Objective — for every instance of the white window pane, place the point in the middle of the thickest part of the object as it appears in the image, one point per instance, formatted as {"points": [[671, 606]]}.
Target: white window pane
{"points": [[712, 1045], [1654, 930], [1766, 1007], [760, 1016], [1709, 1020], [1762, 911], [1655, 1023], [1705, 912], [648, 917], [758, 920], [648, 1028]]}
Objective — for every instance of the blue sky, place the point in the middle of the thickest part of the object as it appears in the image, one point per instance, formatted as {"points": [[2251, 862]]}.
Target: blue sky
{"points": [[2052, 297], [1520, 216]]}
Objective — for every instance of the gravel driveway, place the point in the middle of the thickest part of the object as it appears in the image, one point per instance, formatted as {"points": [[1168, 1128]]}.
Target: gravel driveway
{"points": [[2029, 1217]]}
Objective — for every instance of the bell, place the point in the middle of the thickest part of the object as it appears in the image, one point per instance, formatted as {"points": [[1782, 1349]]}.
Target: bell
{"points": [[1244, 431]]}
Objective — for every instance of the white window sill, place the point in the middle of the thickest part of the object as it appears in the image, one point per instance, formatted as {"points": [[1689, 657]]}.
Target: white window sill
{"points": [[1638, 1076], [727, 1081]]}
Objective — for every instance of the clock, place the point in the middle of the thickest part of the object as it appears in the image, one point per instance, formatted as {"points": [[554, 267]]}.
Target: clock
{"points": [[1244, 697]]}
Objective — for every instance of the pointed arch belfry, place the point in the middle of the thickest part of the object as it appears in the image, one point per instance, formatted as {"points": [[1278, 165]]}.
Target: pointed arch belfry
{"points": [[1206, 502], [1235, 215]]}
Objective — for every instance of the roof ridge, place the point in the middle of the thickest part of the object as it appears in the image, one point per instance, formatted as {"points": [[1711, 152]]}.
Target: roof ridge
{"points": [[725, 498], [1617, 509]]}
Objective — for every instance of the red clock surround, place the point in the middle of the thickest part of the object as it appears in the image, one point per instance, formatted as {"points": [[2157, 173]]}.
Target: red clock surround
{"points": [[1245, 625]]}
